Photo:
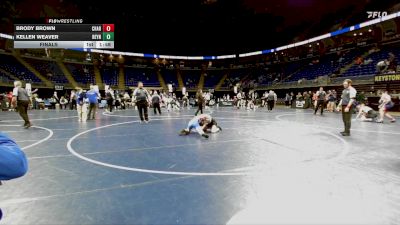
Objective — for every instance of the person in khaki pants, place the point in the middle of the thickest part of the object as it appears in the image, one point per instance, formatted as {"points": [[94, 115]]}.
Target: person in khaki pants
{"points": [[81, 105]]}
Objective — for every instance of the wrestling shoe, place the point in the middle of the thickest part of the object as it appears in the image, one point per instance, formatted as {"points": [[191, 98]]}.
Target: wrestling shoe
{"points": [[205, 135], [184, 132]]}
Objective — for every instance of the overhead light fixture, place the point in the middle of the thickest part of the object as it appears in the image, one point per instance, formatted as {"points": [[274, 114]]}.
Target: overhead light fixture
{"points": [[355, 34], [361, 33], [318, 43], [369, 30]]}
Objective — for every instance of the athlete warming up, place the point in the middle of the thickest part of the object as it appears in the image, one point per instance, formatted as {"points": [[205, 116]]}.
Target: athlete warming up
{"points": [[13, 162], [201, 123]]}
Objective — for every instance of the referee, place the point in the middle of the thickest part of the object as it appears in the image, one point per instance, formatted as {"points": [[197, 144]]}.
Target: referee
{"points": [[22, 100], [142, 98], [348, 98]]}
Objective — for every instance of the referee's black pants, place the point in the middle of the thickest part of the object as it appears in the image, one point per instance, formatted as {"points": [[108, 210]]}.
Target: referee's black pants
{"points": [[142, 108], [270, 104], [320, 103], [157, 107], [346, 119], [200, 109], [22, 107]]}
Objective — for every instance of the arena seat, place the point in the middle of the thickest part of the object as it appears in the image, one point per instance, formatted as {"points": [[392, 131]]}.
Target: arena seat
{"points": [[49, 69], [11, 65]]}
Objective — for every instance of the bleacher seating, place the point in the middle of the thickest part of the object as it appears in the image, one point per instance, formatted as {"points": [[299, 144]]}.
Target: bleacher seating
{"points": [[190, 78], [253, 76], [82, 73], [146, 75], [234, 76], [11, 65], [370, 68], [109, 75], [48, 69], [5, 78], [170, 76], [212, 77], [327, 65]]}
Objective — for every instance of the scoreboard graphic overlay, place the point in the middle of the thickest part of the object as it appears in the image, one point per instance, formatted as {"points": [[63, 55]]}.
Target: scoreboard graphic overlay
{"points": [[63, 33]]}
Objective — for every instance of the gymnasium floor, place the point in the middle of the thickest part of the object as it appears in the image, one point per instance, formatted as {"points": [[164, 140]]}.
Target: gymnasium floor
{"points": [[284, 167]]}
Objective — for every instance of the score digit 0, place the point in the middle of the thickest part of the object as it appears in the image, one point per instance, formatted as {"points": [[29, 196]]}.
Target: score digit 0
{"points": [[108, 27]]}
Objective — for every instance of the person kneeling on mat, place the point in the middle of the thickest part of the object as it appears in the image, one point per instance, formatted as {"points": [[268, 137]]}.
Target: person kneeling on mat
{"points": [[366, 113], [199, 123], [212, 127], [13, 162]]}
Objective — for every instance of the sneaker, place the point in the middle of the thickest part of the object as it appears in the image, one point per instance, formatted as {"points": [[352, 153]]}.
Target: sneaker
{"points": [[146, 121], [27, 125], [393, 121]]}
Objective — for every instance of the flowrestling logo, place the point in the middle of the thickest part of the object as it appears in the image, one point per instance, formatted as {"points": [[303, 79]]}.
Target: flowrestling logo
{"points": [[376, 14]]}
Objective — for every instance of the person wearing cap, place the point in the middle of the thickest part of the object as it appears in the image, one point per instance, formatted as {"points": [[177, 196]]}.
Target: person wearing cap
{"points": [[346, 103]]}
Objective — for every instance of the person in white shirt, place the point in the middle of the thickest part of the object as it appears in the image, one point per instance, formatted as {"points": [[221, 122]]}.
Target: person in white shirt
{"points": [[366, 113], [202, 123], [386, 104], [63, 102], [239, 99]]}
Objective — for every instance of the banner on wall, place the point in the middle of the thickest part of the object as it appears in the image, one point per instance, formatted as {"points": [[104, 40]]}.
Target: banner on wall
{"points": [[58, 87], [28, 88], [387, 78]]}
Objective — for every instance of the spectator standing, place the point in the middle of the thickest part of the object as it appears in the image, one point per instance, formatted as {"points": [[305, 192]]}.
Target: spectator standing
{"points": [[321, 97], [63, 102]]}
